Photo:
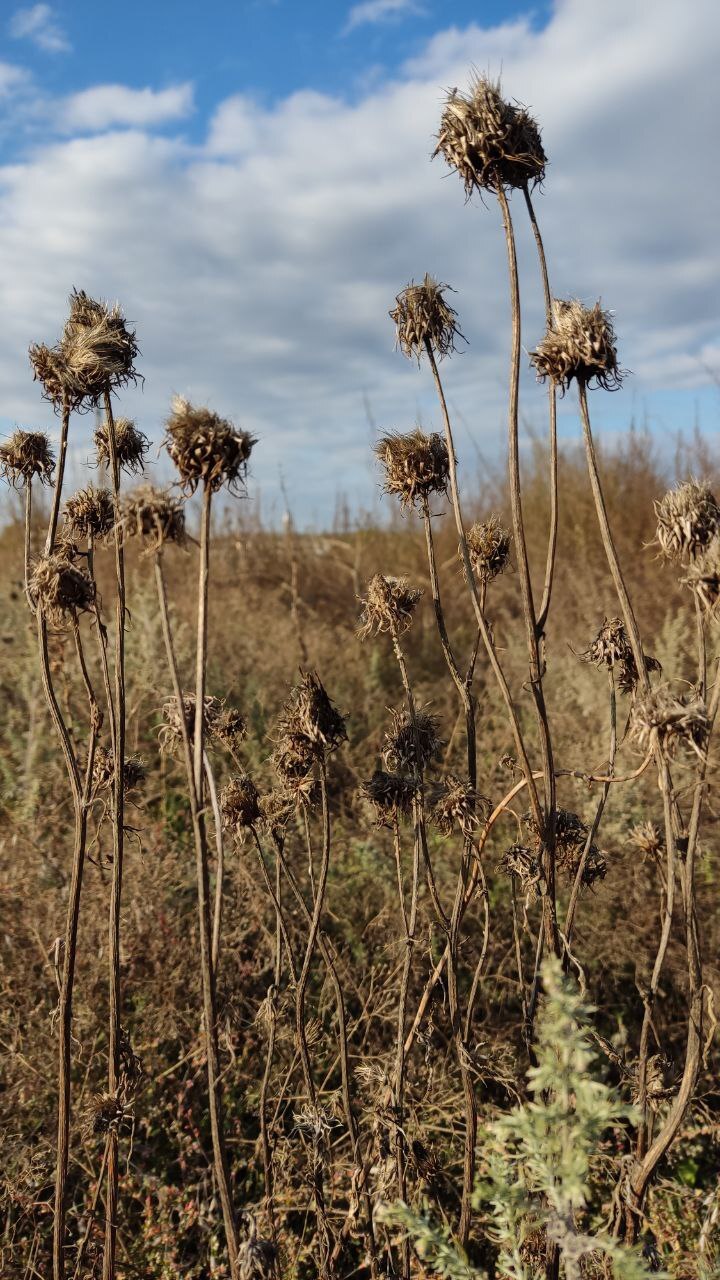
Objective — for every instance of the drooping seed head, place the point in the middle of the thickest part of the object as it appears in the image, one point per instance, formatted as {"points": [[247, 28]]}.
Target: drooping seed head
{"points": [[388, 606], [456, 805], [423, 318], [411, 744], [155, 515], [611, 647], [416, 465], [488, 544], [391, 794], [60, 588], [579, 344], [130, 445], [688, 518], [240, 805], [490, 142], [206, 448], [679, 719], [522, 862], [26, 455], [90, 512], [703, 578], [50, 370]]}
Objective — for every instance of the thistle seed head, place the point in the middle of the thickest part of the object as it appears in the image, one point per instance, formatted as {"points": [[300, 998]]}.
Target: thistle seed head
{"points": [[206, 448], [456, 805], [416, 465], [60, 588], [646, 838], [214, 712], [228, 727], [276, 809], [571, 835], [579, 344], [105, 1113], [522, 862], [688, 519], [680, 720], [610, 647], [25, 455], [130, 445], [49, 369], [488, 544], [703, 578], [98, 348], [310, 713], [411, 744], [134, 771], [155, 515], [240, 805], [423, 318], [90, 512], [491, 143], [391, 794], [388, 606]]}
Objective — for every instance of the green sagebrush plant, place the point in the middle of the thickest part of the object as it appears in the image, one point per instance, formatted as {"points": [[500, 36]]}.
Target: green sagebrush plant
{"points": [[537, 1159]]}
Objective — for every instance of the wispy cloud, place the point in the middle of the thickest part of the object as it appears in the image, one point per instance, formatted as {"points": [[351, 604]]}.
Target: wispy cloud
{"points": [[38, 23], [110, 105], [369, 12], [11, 78]]}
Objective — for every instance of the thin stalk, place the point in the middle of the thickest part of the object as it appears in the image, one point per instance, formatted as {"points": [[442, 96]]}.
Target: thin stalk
{"points": [[219, 861], [59, 476], [27, 543], [577, 883]]}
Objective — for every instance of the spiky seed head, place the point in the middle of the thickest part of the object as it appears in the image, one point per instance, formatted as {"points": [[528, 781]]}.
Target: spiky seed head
{"points": [[688, 519], [26, 455], [522, 862], [391, 794], [627, 672], [579, 344], [388, 606], [703, 578], [679, 719], [416, 465], [105, 1113], [423, 318], [155, 515], [456, 805], [293, 758], [276, 809], [411, 743], [240, 805], [206, 448], [610, 647], [228, 727], [646, 838], [60, 588], [49, 369], [310, 713], [98, 348], [131, 445], [90, 512], [171, 736], [490, 142], [488, 543], [571, 835], [134, 771]]}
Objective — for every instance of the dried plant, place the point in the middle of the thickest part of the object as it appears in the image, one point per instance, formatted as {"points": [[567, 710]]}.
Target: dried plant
{"points": [[388, 606], [412, 742], [688, 519], [489, 546], [26, 455], [61, 589], [90, 513], [155, 515], [677, 719], [130, 445], [240, 804], [580, 344], [206, 448], [416, 465], [490, 142], [424, 321]]}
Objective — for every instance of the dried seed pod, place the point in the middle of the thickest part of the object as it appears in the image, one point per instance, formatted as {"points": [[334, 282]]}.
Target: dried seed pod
{"points": [[571, 835], [610, 647], [134, 771], [130, 445], [60, 588], [416, 465], [390, 793], [411, 743], [310, 713], [579, 344], [491, 143], [388, 606], [26, 455], [423, 318], [240, 805], [228, 727], [294, 757], [105, 1113], [678, 719], [155, 515], [457, 804], [206, 448], [688, 519], [488, 544], [646, 838], [171, 737], [90, 512], [628, 678], [525, 864], [98, 348], [49, 368], [276, 809], [703, 578]]}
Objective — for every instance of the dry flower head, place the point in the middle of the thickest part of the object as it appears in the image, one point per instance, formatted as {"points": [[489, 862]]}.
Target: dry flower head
{"points": [[412, 742], [90, 513], [60, 588], [206, 448], [678, 719], [488, 544], [240, 805], [155, 515], [391, 794], [96, 354], [131, 445], [26, 455], [424, 319], [688, 519], [457, 805], [416, 465], [490, 142], [388, 606], [579, 344], [703, 579]]}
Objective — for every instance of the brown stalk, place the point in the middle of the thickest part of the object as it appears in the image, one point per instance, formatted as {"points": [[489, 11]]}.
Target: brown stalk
{"points": [[219, 861], [577, 882]]}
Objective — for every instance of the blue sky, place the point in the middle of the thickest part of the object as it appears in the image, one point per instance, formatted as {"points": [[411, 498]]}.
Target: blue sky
{"points": [[252, 181]]}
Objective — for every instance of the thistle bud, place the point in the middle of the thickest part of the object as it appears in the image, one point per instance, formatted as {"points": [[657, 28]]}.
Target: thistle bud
{"points": [[90, 513], [688, 518], [416, 465], [423, 318], [490, 143], [579, 344], [206, 448], [25, 455], [388, 606], [488, 545]]}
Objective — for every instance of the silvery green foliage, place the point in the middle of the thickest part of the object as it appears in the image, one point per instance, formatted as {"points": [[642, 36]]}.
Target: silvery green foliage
{"points": [[432, 1244]]}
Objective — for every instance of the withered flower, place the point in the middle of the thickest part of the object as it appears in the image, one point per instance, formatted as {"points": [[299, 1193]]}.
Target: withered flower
{"points": [[105, 1113], [240, 805], [130, 445], [424, 319], [134, 771], [156, 515], [171, 736], [256, 1257], [206, 448], [390, 793], [276, 809], [90, 512], [488, 544], [703, 578], [411, 743], [646, 838], [679, 719], [457, 804], [98, 348], [49, 369], [228, 727], [311, 713], [60, 588], [388, 606], [688, 519], [571, 835], [522, 862], [579, 344], [490, 142], [26, 455], [610, 647], [416, 465]]}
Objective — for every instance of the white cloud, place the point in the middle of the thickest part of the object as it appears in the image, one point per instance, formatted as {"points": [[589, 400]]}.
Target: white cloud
{"points": [[374, 11], [12, 78], [109, 105], [39, 24], [259, 266]]}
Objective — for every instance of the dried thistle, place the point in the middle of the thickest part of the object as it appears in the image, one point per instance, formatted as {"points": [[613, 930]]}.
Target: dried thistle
{"points": [[90, 512], [390, 793], [60, 588], [423, 318], [26, 455], [677, 719], [155, 515], [646, 838], [240, 805], [416, 465], [207, 448], [134, 771], [388, 606], [104, 1114], [221, 724], [411, 743], [293, 759], [276, 809], [49, 368], [579, 344], [228, 727], [310, 713], [703, 579], [688, 519], [130, 445], [490, 142], [610, 646], [522, 862], [571, 835], [98, 348], [488, 544], [455, 804]]}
